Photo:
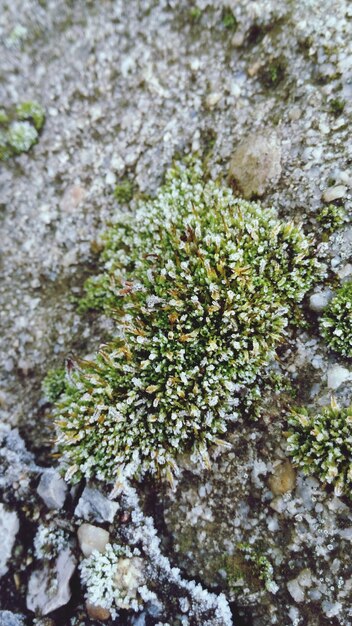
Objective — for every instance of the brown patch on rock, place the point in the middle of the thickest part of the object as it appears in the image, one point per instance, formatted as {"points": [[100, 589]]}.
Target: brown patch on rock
{"points": [[283, 479]]}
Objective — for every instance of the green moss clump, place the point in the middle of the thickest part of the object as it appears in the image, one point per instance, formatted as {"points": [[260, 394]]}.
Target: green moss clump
{"points": [[337, 106], [54, 384], [228, 19], [31, 111], [273, 73], [19, 129], [202, 286], [331, 217], [322, 445], [123, 192], [336, 323]]}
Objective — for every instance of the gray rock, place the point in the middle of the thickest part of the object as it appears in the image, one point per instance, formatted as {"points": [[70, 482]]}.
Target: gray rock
{"points": [[93, 505], [334, 193], [256, 164], [7, 618], [9, 526], [319, 300], [16, 463], [338, 375], [49, 588], [92, 538], [52, 489]]}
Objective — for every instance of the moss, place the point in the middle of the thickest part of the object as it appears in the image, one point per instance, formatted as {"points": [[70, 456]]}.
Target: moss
{"points": [[336, 323], [322, 445], [250, 564], [54, 384], [273, 73], [228, 19], [195, 13], [202, 286], [123, 192], [337, 106], [331, 217], [31, 111], [20, 129]]}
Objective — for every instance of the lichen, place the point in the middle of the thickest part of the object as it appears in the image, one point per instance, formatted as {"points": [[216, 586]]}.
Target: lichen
{"points": [[336, 323], [202, 286], [321, 445]]}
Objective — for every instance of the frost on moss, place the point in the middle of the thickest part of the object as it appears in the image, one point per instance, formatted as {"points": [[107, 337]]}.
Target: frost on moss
{"points": [[202, 285], [336, 323], [19, 128], [113, 578], [322, 445], [21, 136], [331, 217]]}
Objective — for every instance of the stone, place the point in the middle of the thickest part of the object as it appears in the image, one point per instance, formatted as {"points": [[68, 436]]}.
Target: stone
{"points": [[97, 612], [52, 489], [319, 300], [295, 590], [338, 375], [9, 527], [283, 479], [256, 165], [92, 538], [72, 198], [93, 505], [7, 618], [212, 99], [334, 193], [49, 587]]}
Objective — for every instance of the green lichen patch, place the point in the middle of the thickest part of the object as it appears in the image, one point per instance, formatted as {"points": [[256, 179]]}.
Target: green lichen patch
{"points": [[19, 128], [336, 323], [322, 445], [202, 286]]}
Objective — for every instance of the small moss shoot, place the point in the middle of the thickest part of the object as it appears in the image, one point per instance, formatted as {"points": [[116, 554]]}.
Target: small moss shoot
{"points": [[202, 286], [54, 384], [337, 106], [228, 20], [124, 191], [321, 445], [331, 217], [272, 74], [336, 323], [19, 129]]}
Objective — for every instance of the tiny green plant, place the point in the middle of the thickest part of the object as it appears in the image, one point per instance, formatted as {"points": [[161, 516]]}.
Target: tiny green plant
{"points": [[331, 217], [123, 192], [54, 384], [19, 128], [261, 564], [322, 445], [336, 323], [228, 19], [202, 286]]}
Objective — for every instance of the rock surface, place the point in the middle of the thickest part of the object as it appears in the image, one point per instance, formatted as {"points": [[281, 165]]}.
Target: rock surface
{"points": [[92, 538], [256, 164], [52, 489], [93, 505], [9, 527], [49, 588]]}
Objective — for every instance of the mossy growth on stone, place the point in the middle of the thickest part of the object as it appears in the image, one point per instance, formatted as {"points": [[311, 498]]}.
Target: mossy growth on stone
{"points": [[123, 192], [322, 445], [202, 286], [54, 384], [331, 217], [336, 323], [19, 128]]}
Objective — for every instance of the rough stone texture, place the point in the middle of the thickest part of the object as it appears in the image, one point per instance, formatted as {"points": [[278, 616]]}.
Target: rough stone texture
{"points": [[92, 538], [49, 588], [7, 618], [9, 527], [52, 489], [256, 164], [93, 505]]}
